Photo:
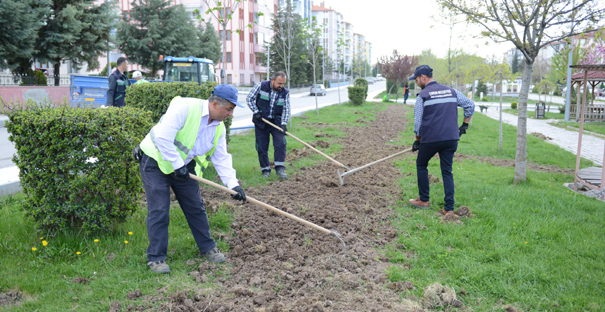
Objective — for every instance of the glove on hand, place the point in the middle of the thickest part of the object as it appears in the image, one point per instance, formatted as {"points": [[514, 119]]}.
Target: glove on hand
{"points": [[137, 153], [240, 194], [258, 116], [463, 128], [182, 173], [284, 128], [416, 146]]}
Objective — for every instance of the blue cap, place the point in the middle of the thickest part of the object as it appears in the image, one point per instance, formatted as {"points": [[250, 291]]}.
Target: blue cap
{"points": [[227, 92], [422, 70]]}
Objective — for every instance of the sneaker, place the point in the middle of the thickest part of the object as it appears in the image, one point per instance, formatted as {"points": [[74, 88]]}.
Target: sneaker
{"points": [[158, 266], [445, 212], [214, 255], [281, 173], [419, 204], [266, 174]]}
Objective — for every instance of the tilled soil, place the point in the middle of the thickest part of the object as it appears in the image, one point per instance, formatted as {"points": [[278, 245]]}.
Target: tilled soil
{"points": [[277, 264]]}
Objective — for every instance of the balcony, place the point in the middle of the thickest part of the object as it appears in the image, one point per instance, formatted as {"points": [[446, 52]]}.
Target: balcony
{"points": [[258, 48], [260, 69], [256, 27], [256, 7]]}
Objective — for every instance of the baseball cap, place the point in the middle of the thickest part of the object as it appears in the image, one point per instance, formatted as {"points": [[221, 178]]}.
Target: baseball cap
{"points": [[421, 70], [227, 92], [137, 74]]}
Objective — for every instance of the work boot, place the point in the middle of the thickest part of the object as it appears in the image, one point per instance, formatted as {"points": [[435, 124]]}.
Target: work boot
{"points": [[214, 255], [446, 212], [420, 204], [266, 174], [281, 173], [158, 266]]}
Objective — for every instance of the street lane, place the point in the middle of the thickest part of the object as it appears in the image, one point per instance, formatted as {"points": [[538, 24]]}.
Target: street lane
{"points": [[7, 149]]}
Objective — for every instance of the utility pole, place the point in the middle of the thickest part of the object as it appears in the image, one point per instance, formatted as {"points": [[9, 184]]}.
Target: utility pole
{"points": [[268, 59], [569, 63]]}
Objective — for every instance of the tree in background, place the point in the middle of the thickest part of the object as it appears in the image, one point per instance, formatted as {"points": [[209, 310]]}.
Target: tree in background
{"points": [[75, 30], [496, 75], [530, 26], [311, 34], [541, 69], [397, 68], [559, 62], [287, 47], [20, 22], [210, 46], [477, 72], [515, 63], [341, 43], [545, 87], [154, 28]]}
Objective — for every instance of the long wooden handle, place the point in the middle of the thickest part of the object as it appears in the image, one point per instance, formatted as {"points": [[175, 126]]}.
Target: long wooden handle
{"points": [[375, 162], [260, 203], [307, 145]]}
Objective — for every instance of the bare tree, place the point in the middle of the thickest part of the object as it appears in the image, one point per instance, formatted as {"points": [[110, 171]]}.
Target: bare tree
{"points": [[285, 31], [530, 25], [311, 33], [341, 42]]}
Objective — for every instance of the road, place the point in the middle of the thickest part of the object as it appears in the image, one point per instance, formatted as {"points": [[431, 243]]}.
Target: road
{"points": [[241, 118]]}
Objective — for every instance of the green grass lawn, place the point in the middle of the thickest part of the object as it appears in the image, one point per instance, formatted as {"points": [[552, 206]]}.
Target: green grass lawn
{"points": [[46, 276], [553, 114], [596, 127], [535, 245]]}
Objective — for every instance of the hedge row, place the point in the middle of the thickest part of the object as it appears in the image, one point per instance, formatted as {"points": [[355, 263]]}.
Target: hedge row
{"points": [[358, 92], [75, 164]]}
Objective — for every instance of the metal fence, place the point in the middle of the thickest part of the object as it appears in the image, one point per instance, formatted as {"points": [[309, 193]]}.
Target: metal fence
{"points": [[12, 80]]}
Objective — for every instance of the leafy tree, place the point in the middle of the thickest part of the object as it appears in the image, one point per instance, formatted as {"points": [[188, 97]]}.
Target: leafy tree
{"points": [[479, 71], [481, 88], [210, 45], [397, 68], [559, 62], [289, 46], [515, 63], [75, 30], [529, 25], [153, 28], [341, 43], [20, 21], [311, 34]]}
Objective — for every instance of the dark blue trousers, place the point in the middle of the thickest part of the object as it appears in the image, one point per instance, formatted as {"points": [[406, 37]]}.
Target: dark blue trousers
{"points": [[157, 190], [405, 98], [446, 150], [262, 146]]}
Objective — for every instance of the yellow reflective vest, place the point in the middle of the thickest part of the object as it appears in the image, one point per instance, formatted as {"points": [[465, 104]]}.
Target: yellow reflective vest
{"points": [[185, 138]]}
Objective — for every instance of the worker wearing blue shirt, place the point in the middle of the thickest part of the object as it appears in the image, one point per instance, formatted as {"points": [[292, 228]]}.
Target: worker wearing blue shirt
{"points": [[190, 133], [437, 131]]}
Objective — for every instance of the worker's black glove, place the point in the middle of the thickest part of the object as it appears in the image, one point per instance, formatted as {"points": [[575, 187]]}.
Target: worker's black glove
{"points": [[416, 146], [258, 117], [240, 194], [137, 153], [181, 173], [463, 128], [284, 128]]}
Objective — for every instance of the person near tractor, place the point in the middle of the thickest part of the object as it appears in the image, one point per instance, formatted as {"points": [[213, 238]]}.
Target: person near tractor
{"points": [[189, 135], [138, 77], [271, 100], [437, 131], [118, 82]]}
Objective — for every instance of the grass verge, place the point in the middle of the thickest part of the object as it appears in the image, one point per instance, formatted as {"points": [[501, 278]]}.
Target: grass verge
{"points": [[532, 114], [596, 127]]}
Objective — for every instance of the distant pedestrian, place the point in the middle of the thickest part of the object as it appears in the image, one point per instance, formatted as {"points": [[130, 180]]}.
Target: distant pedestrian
{"points": [[118, 82], [138, 77], [406, 93], [437, 131], [271, 100]]}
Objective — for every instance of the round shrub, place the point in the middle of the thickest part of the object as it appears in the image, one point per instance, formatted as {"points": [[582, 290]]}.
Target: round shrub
{"points": [[513, 105], [356, 95], [75, 164]]}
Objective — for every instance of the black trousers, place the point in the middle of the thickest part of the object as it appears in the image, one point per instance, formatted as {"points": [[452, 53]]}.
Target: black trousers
{"points": [[157, 190], [446, 150], [262, 146]]}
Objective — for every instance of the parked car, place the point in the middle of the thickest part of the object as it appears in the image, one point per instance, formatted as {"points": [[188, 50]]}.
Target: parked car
{"points": [[370, 80], [319, 89]]}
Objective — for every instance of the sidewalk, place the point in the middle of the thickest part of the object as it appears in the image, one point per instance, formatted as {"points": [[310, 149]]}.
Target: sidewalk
{"points": [[592, 146]]}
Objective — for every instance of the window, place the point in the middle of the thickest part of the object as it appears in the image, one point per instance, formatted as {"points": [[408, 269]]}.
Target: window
{"points": [[229, 79], [228, 57], [241, 80], [223, 35], [258, 60], [113, 56], [256, 37]]}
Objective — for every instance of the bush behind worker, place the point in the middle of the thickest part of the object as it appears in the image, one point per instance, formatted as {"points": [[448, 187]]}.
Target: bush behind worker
{"points": [[271, 100], [190, 133], [437, 131]]}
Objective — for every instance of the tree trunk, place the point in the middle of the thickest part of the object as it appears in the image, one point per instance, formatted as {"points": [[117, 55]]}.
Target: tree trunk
{"points": [[500, 145], [223, 68], [521, 155], [57, 68], [391, 88], [315, 89]]}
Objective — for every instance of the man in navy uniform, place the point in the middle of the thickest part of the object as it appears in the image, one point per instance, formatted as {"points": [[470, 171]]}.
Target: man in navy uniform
{"points": [[437, 131], [271, 100], [118, 82]]}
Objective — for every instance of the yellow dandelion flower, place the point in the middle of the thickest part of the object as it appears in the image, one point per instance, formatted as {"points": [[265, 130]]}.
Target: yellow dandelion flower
{"points": [[34, 248], [129, 233], [41, 238], [125, 242], [526, 242], [44, 243], [96, 240], [77, 253]]}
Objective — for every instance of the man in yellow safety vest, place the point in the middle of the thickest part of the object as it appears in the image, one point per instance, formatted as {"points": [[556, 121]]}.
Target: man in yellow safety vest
{"points": [[189, 135]]}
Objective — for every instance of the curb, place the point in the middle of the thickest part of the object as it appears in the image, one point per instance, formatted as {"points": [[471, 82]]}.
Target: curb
{"points": [[10, 188]]}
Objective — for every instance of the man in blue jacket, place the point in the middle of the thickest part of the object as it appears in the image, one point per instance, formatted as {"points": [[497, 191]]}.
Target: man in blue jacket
{"points": [[271, 100], [437, 131], [118, 82]]}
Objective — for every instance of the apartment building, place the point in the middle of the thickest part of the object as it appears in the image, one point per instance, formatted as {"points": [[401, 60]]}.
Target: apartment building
{"points": [[332, 24]]}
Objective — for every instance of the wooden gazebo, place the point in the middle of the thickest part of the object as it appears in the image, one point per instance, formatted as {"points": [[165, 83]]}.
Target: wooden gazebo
{"points": [[594, 112], [592, 177]]}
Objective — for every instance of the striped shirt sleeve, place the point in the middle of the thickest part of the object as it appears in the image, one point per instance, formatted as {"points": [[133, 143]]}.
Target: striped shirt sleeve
{"points": [[466, 104], [251, 98], [418, 110]]}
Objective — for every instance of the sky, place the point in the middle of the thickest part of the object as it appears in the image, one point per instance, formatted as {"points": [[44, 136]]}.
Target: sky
{"points": [[407, 26]]}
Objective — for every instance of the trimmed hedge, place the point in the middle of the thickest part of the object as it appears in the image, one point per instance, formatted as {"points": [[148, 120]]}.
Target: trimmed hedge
{"points": [[155, 97], [75, 164], [356, 95], [360, 82], [513, 105]]}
